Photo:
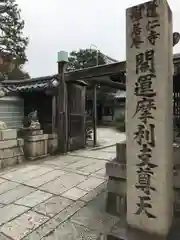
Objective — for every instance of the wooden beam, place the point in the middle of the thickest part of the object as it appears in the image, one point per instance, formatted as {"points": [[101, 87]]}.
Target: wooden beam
{"points": [[94, 72], [109, 83]]}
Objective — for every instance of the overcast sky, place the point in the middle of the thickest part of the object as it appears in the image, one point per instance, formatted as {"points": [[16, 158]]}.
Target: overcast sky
{"points": [[72, 24]]}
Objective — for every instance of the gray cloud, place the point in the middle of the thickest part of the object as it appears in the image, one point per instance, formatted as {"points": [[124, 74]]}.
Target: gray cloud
{"points": [[72, 24]]}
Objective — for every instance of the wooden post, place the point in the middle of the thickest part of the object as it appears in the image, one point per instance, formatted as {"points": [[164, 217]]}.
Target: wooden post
{"points": [[53, 114], [94, 116], [62, 115]]}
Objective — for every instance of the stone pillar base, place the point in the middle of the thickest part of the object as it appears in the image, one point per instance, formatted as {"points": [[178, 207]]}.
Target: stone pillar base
{"points": [[35, 146]]}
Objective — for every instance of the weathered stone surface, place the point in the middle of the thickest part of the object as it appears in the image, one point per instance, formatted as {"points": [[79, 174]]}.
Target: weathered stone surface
{"points": [[115, 169], [23, 176], [45, 178], [52, 206], [2, 180], [74, 193], [8, 134], [33, 199], [9, 162], [93, 218], [63, 183], [9, 212], [116, 204], [121, 231], [90, 183], [49, 227], [157, 126], [8, 144], [92, 168], [6, 153], [23, 225], [81, 164], [96, 154], [117, 186], [7, 185], [110, 149], [3, 237], [72, 231], [15, 194], [94, 193], [35, 146], [62, 161]]}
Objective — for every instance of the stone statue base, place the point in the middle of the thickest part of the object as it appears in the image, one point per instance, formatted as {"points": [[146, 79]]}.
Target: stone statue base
{"points": [[35, 125]]}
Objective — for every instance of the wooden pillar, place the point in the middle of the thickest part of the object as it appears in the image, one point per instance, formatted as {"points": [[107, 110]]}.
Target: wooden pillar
{"points": [[62, 114], [94, 115], [53, 114]]}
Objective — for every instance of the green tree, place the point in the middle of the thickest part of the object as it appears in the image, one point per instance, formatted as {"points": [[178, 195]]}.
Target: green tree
{"points": [[17, 74], [85, 58], [12, 41]]}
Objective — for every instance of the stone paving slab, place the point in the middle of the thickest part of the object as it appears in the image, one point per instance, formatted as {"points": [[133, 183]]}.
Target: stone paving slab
{"points": [[72, 231], [2, 180], [62, 184], [8, 173], [90, 183], [21, 177], [74, 193], [11, 211], [33, 199], [96, 154], [47, 177], [7, 185], [52, 206], [109, 149], [23, 225], [15, 194], [94, 193], [49, 227], [92, 168], [2, 237], [63, 161], [100, 173], [81, 164], [93, 216]]}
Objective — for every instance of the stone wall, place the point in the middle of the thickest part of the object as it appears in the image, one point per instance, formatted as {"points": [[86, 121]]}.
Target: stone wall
{"points": [[11, 148]]}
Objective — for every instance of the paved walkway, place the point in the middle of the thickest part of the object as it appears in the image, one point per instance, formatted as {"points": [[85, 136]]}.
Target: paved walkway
{"points": [[58, 198]]}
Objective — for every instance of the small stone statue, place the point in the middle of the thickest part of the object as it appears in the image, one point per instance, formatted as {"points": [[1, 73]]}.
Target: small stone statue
{"points": [[33, 120]]}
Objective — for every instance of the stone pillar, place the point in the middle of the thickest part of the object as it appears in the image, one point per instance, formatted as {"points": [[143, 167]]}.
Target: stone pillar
{"points": [[116, 186], [149, 117]]}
